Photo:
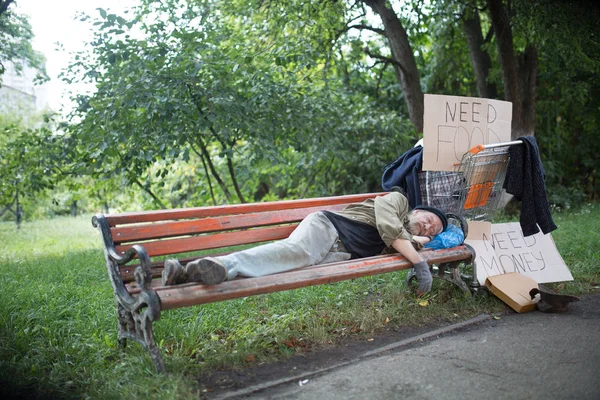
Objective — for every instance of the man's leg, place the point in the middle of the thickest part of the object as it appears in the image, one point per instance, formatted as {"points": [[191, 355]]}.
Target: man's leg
{"points": [[308, 245], [313, 241]]}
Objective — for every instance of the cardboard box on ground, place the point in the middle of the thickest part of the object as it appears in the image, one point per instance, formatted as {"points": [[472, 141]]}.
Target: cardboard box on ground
{"points": [[513, 289], [508, 263]]}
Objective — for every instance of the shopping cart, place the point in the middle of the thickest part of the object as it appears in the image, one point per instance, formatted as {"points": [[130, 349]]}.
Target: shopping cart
{"points": [[471, 192]]}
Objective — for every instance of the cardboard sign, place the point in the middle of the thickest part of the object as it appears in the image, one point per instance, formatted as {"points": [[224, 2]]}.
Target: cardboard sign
{"points": [[452, 125], [506, 250]]}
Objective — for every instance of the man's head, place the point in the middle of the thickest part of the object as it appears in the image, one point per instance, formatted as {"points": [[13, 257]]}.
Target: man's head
{"points": [[427, 221]]}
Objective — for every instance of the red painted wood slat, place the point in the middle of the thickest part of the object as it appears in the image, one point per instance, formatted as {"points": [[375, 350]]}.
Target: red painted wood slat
{"points": [[130, 233], [193, 294], [214, 241], [213, 211]]}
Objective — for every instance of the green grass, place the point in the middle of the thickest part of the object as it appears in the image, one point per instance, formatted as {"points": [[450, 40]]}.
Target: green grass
{"points": [[58, 333]]}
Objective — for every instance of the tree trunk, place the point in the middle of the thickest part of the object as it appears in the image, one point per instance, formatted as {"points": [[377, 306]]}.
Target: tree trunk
{"points": [[403, 54], [234, 180], [508, 61], [19, 212], [480, 59], [201, 156], [213, 171], [528, 67], [212, 193]]}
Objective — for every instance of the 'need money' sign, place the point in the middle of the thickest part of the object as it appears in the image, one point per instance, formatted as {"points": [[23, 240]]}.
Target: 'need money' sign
{"points": [[502, 248]]}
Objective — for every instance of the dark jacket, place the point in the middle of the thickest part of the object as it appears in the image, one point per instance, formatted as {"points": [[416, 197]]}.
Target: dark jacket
{"points": [[525, 179], [404, 172]]}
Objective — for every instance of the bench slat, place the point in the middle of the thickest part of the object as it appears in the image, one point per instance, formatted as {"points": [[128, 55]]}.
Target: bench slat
{"points": [[194, 294], [124, 234], [213, 211], [214, 241]]}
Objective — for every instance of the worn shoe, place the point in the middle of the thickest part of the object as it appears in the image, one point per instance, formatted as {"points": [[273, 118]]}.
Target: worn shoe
{"points": [[208, 270], [173, 273]]}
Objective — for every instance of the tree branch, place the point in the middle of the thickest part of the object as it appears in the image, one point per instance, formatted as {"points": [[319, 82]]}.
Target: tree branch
{"points": [[365, 27], [147, 190], [203, 145], [201, 156], [385, 59], [385, 65]]}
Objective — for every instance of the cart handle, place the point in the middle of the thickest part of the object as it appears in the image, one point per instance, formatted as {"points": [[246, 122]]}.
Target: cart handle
{"points": [[480, 147]]}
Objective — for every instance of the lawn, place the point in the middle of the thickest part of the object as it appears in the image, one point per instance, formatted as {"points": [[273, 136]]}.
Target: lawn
{"points": [[58, 334]]}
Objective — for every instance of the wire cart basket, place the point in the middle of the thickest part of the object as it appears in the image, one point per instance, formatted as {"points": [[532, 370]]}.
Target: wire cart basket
{"points": [[473, 190]]}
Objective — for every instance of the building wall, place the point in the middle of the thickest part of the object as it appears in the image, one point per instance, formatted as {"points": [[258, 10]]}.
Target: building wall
{"points": [[18, 92]]}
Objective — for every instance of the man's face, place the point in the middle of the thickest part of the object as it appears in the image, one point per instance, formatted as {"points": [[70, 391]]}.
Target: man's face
{"points": [[424, 223]]}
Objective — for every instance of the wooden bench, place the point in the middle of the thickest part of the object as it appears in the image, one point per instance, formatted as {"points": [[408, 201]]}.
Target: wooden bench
{"points": [[132, 240]]}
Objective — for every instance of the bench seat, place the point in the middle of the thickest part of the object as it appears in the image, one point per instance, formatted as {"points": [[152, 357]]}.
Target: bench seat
{"points": [[136, 244]]}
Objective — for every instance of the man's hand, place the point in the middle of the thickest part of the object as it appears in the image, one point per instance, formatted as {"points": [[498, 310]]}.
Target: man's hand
{"points": [[405, 248]]}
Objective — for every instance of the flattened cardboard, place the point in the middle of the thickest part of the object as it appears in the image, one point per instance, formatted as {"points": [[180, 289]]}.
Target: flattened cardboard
{"points": [[452, 125], [513, 289], [479, 229]]}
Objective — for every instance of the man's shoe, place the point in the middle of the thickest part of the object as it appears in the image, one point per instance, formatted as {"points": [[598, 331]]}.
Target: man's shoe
{"points": [[208, 270], [173, 273]]}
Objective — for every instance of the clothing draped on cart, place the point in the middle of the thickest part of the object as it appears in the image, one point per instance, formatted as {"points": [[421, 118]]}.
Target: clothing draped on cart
{"points": [[404, 172], [525, 179]]}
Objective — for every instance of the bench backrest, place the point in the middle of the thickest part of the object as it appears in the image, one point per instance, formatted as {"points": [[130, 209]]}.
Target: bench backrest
{"points": [[170, 232]]}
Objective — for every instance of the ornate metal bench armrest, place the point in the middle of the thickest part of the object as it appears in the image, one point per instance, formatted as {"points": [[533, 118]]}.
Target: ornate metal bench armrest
{"points": [[143, 273]]}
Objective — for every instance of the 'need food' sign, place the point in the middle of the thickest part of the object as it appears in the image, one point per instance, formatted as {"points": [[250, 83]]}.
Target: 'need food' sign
{"points": [[452, 125]]}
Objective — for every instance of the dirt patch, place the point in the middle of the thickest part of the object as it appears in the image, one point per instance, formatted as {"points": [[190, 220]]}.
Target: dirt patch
{"points": [[217, 382]]}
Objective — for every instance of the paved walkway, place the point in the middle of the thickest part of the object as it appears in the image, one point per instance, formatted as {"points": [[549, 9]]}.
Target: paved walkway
{"points": [[520, 356]]}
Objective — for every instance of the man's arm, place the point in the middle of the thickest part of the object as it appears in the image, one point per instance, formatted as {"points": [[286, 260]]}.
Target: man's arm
{"points": [[390, 211], [405, 248]]}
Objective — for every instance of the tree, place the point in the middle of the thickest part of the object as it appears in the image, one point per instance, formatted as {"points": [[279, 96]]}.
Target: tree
{"points": [[519, 71], [29, 164], [15, 41], [480, 58], [240, 91], [403, 60]]}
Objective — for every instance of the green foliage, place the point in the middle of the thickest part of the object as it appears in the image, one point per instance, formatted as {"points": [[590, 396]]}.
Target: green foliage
{"points": [[243, 91], [209, 101], [568, 98], [15, 42], [28, 162]]}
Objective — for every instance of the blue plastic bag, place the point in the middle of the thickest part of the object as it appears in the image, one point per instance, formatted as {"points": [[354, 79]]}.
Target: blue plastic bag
{"points": [[451, 237]]}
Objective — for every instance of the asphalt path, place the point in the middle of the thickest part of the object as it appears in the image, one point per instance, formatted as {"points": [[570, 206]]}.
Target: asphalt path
{"points": [[519, 356]]}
